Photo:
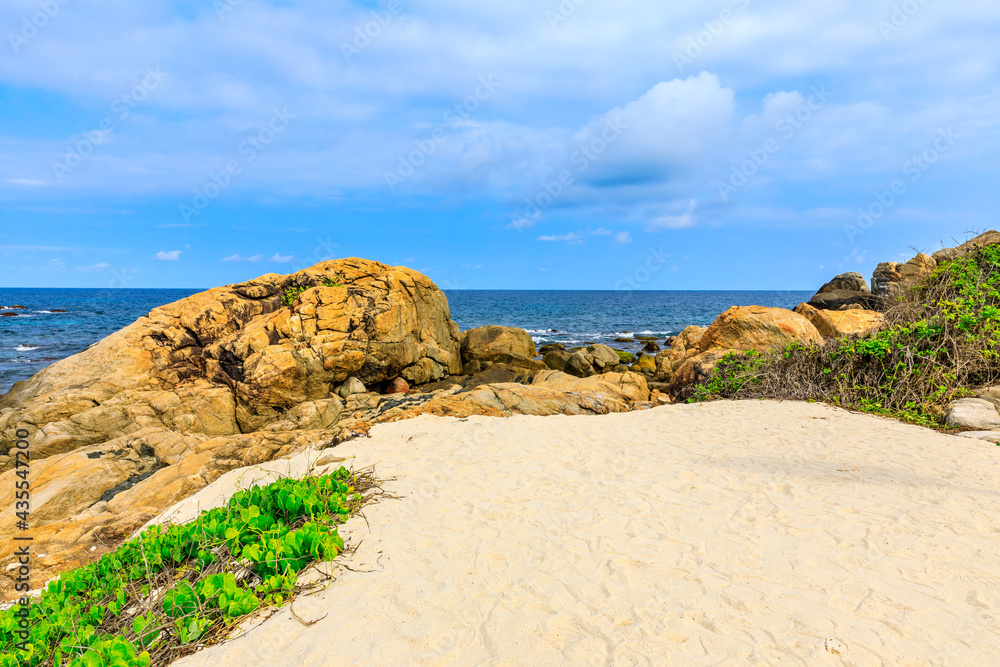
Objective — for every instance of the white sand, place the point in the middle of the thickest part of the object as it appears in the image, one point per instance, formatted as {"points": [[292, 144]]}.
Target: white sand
{"points": [[719, 534]]}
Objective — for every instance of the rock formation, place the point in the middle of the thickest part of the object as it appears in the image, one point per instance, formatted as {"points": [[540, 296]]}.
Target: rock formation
{"points": [[244, 374], [838, 324], [739, 329], [495, 344]]}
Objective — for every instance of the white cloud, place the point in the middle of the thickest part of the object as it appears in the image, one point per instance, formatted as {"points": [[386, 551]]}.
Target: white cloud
{"points": [[573, 238], [623, 237], [601, 231], [101, 266], [171, 256], [281, 259], [238, 258], [682, 221]]}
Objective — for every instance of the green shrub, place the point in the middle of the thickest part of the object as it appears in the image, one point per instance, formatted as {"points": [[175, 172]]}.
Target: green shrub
{"points": [[156, 597], [291, 295], [941, 340]]}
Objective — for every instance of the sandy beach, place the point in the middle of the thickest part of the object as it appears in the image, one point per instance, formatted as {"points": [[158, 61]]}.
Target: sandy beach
{"points": [[724, 533]]}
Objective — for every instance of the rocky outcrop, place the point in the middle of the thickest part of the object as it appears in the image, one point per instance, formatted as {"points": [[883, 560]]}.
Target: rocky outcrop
{"points": [[223, 379], [682, 347], [892, 279], [981, 241], [846, 282], [495, 344], [743, 328], [592, 360], [846, 300], [758, 328], [838, 324], [245, 374]]}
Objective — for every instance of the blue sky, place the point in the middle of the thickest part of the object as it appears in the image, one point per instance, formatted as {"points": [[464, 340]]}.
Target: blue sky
{"points": [[519, 144]]}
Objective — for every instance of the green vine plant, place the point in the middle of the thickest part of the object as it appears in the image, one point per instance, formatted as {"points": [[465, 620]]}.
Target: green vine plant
{"points": [[291, 295], [175, 589], [941, 340]]}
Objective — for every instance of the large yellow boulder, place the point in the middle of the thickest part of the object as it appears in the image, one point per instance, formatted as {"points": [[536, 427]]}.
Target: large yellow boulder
{"points": [[758, 328], [230, 377], [842, 323]]}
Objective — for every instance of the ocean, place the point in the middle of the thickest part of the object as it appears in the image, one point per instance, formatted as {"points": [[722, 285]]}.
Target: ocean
{"points": [[37, 336]]}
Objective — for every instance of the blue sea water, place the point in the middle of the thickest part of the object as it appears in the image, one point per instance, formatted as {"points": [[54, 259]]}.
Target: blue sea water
{"points": [[37, 336]]}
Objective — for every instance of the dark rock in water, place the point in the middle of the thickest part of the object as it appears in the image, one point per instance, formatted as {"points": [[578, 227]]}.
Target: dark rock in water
{"points": [[624, 340], [626, 357], [8, 314], [651, 347], [846, 282], [57, 310], [397, 386], [671, 340], [555, 330], [551, 347], [843, 299], [645, 338], [18, 307]]}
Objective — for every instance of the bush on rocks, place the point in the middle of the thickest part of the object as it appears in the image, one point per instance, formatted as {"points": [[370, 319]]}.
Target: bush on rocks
{"points": [[941, 340]]}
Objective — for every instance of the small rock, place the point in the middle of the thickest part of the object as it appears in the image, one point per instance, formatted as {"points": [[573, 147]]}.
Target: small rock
{"points": [[8, 314], [397, 386], [351, 387], [18, 307], [57, 310], [836, 646], [651, 347], [988, 436], [624, 340], [645, 364], [329, 459], [974, 414], [551, 347]]}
